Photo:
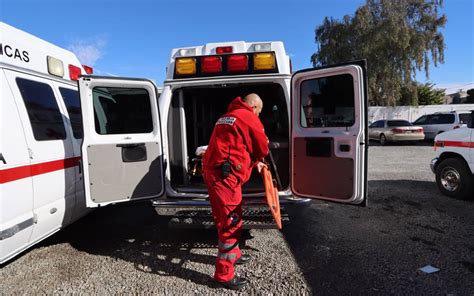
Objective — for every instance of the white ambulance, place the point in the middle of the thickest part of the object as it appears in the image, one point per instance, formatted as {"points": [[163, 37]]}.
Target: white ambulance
{"points": [[139, 147], [41, 187], [454, 162]]}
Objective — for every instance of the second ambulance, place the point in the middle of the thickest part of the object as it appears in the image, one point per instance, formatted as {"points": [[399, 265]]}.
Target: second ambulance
{"points": [[454, 163]]}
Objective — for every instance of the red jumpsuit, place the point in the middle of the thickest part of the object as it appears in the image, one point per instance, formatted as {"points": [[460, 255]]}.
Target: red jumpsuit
{"points": [[239, 137]]}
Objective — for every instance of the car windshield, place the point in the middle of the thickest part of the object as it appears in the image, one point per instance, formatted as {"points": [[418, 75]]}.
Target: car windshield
{"points": [[421, 120], [392, 123]]}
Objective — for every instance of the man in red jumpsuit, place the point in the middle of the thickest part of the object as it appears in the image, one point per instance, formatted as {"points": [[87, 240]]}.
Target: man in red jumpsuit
{"points": [[238, 144]]}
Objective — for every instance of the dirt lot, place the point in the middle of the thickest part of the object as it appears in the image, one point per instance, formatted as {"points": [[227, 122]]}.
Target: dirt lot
{"points": [[328, 249]]}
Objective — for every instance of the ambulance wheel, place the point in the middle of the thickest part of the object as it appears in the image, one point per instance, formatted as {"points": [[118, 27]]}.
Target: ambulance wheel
{"points": [[454, 179], [383, 140]]}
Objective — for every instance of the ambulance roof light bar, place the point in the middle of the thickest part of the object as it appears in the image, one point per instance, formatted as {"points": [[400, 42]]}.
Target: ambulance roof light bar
{"points": [[264, 57], [225, 64]]}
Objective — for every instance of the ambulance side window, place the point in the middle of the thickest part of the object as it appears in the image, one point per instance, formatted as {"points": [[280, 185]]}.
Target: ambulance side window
{"points": [[122, 110], [43, 111], [73, 105], [328, 102]]}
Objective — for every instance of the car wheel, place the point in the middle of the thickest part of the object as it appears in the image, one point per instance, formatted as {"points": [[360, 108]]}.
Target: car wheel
{"points": [[383, 140], [454, 179]]}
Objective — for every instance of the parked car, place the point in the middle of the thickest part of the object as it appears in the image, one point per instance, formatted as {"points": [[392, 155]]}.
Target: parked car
{"points": [[436, 123], [395, 130], [454, 162]]}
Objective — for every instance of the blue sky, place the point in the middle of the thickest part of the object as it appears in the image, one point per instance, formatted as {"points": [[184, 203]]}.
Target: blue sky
{"points": [[135, 38]]}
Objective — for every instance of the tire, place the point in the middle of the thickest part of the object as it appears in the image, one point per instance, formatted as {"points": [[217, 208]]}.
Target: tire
{"points": [[454, 179], [383, 140]]}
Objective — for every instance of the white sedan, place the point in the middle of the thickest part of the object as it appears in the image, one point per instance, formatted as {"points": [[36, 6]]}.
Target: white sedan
{"points": [[395, 130]]}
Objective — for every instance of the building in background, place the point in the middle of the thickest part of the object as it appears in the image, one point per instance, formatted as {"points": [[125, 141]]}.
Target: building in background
{"points": [[457, 94]]}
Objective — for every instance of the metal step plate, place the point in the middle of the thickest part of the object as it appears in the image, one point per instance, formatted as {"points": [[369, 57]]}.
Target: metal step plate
{"points": [[252, 219]]}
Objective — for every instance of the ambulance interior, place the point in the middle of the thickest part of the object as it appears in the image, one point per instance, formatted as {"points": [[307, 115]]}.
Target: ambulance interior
{"points": [[194, 111]]}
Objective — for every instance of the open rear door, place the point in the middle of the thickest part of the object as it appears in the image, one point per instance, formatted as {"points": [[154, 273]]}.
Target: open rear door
{"points": [[122, 148], [329, 134]]}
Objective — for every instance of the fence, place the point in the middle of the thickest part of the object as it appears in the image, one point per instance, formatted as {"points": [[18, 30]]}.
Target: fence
{"points": [[411, 113]]}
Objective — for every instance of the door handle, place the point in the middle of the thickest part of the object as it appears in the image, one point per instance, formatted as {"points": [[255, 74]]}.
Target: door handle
{"points": [[344, 148], [133, 145]]}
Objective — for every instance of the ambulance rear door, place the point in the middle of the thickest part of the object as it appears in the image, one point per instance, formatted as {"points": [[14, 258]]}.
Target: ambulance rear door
{"points": [[329, 133], [122, 149]]}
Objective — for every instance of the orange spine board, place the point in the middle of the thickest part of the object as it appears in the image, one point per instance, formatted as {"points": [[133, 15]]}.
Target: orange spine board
{"points": [[271, 194]]}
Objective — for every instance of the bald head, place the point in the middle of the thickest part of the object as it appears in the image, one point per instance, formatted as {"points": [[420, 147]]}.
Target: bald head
{"points": [[254, 101]]}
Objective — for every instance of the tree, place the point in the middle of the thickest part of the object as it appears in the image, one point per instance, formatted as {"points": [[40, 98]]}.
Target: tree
{"points": [[397, 38], [415, 93], [428, 95], [470, 96]]}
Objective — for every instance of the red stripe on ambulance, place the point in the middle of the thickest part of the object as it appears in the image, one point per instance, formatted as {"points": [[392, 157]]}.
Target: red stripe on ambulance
{"points": [[17, 173], [458, 144]]}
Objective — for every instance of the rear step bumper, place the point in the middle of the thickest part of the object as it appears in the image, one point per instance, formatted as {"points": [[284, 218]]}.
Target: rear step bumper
{"points": [[247, 202], [253, 218]]}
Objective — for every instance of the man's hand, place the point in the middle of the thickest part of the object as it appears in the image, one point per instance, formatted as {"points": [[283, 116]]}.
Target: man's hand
{"points": [[260, 165]]}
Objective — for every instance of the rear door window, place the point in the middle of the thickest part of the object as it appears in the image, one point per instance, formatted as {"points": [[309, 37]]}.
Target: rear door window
{"points": [[122, 111], [43, 111], [73, 105], [328, 102]]}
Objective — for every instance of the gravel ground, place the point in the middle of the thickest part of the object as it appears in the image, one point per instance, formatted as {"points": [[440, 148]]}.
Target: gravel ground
{"points": [[328, 249]]}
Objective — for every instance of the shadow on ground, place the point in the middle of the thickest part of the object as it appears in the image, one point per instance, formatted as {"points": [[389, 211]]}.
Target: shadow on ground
{"points": [[339, 249], [135, 233], [378, 249]]}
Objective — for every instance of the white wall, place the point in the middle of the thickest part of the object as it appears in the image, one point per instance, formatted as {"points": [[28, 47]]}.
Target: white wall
{"points": [[411, 113]]}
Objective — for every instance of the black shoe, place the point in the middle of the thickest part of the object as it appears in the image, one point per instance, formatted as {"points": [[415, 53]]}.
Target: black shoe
{"points": [[243, 259], [236, 283]]}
